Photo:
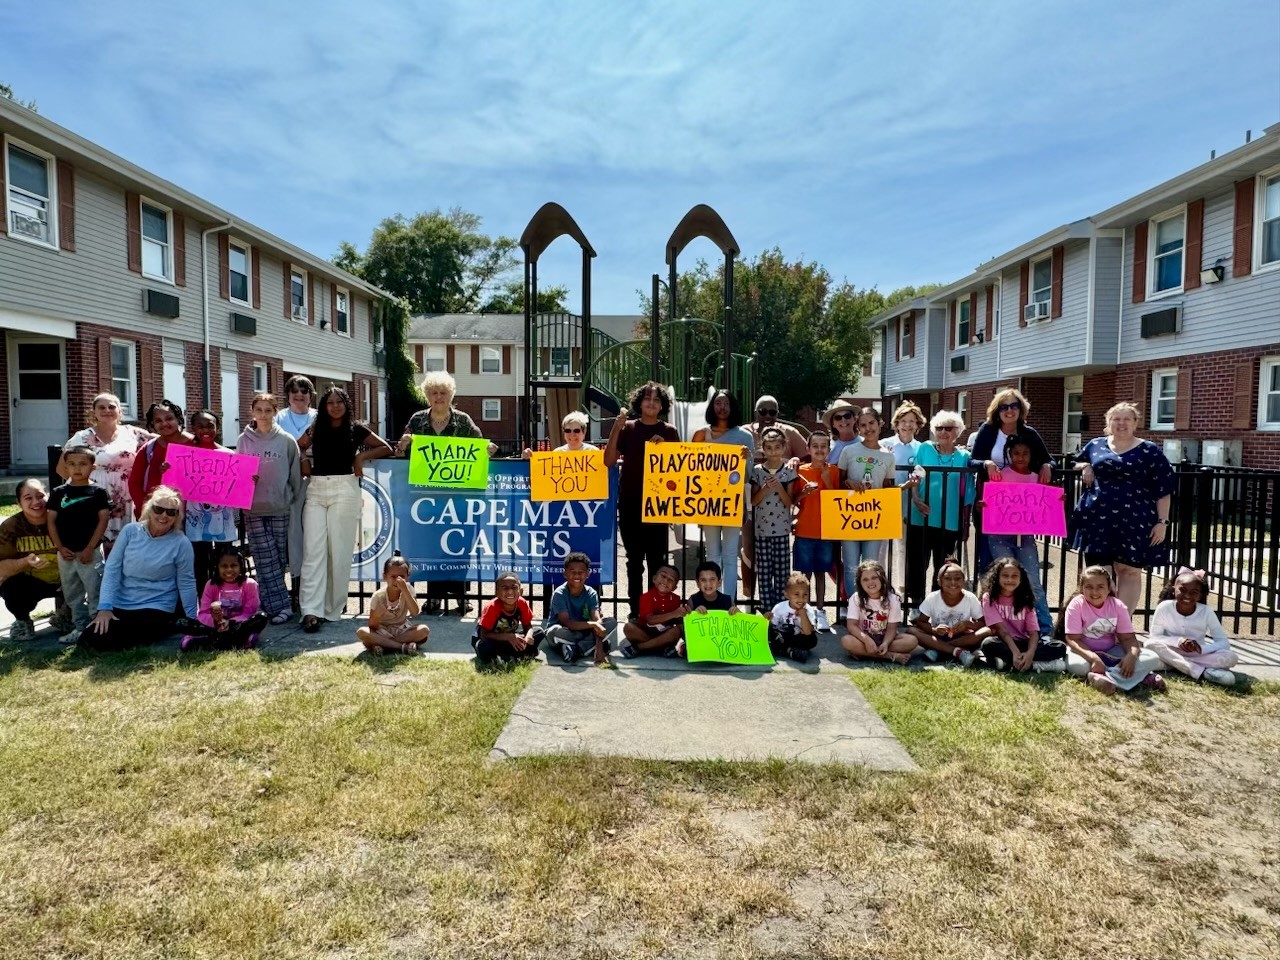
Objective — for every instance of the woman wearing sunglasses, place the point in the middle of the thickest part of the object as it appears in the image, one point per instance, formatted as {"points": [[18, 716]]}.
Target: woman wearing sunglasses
{"points": [[148, 572], [940, 505], [1006, 417]]}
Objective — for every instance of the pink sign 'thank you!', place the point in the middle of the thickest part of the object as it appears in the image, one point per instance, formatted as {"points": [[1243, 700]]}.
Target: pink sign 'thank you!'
{"points": [[217, 477], [1023, 508]]}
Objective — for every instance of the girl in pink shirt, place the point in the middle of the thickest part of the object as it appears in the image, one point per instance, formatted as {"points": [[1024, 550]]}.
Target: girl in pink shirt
{"points": [[1103, 647], [1009, 606]]}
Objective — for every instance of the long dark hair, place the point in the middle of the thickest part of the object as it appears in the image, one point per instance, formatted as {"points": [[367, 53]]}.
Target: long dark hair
{"points": [[1023, 596], [227, 550], [735, 409], [642, 391], [322, 427], [1094, 570]]}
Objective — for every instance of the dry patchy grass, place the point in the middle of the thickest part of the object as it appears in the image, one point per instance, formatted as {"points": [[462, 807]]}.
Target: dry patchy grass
{"points": [[232, 806]]}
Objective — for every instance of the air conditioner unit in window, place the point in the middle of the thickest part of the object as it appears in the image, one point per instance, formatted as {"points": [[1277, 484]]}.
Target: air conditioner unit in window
{"points": [[299, 312], [34, 224], [1161, 322], [1034, 312], [960, 364]]}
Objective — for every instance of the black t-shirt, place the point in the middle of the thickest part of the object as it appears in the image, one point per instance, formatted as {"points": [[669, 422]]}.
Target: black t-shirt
{"points": [[77, 509], [334, 451], [631, 444], [722, 601]]}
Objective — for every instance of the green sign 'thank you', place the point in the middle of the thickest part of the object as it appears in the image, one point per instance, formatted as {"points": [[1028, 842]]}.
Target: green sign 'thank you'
{"points": [[722, 637], [458, 462]]}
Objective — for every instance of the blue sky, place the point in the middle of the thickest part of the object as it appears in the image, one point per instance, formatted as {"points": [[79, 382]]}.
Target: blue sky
{"points": [[893, 143]]}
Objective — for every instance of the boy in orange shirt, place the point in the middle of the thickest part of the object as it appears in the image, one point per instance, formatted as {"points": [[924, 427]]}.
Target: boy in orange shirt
{"points": [[813, 555]]}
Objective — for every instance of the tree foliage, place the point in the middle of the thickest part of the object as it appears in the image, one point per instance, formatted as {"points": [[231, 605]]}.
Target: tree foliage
{"points": [[6, 92], [509, 298], [809, 333]]}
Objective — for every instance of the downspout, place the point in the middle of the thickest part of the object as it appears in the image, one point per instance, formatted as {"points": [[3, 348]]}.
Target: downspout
{"points": [[204, 289]]}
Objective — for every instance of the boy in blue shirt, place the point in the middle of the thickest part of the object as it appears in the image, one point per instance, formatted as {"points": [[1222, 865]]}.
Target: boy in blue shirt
{"points": [[574, 623]]}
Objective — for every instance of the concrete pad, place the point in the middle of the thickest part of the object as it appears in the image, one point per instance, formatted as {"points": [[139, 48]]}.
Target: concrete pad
{"points": [[664, 715]]}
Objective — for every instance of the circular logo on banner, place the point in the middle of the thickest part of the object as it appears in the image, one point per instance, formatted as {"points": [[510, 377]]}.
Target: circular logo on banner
{"points": [[376, 522]]}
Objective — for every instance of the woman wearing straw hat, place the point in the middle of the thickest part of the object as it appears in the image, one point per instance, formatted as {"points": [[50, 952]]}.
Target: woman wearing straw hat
{"points": [[841, 420]]}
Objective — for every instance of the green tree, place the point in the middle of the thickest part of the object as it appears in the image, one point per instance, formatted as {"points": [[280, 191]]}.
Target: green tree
{"points": [[6, 92], [509, 298]]}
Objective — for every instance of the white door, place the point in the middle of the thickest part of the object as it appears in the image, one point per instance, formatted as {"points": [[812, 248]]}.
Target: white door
{"points": [[175, 382], [1072, 413], [38, 408], [230, 407]]}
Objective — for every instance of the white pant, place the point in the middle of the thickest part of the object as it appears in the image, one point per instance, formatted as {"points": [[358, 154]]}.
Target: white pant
{"points": [[1147, 662], [330, 520], [1192, 664]]}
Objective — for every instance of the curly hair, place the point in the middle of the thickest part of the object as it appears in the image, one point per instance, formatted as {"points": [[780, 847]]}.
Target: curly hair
{"points": [[1199, 576], [644, 390], [1024, 597], [165, 405]]}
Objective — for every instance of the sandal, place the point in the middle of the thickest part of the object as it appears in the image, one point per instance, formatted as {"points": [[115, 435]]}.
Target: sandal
{"points": [[310, 624]]}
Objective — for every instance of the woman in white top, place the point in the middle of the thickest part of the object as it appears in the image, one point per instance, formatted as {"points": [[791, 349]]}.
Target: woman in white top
{"points": [[115, 444]]}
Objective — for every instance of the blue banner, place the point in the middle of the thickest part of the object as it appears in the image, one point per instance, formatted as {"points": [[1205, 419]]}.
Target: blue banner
{"points": [[477, 534]]}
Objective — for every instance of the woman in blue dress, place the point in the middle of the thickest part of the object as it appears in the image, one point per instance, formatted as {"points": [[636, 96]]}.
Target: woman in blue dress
{"points": [[1122, 516]]}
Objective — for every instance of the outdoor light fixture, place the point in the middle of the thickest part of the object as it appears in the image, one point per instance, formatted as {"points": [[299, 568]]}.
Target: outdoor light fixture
{"points": [[1214, 273]]}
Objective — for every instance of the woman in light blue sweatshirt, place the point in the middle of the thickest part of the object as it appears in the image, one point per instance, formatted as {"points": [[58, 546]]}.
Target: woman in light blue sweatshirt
{"points": [[150, 569]]}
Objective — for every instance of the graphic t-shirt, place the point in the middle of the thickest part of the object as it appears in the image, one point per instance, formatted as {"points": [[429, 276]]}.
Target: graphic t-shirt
{"points": [[579, 608], [496, 619], [872, 467], [78, 509], [787, 619], [874, 616], [1020, 623], [655, 603], [20, 538], [722, 601], [809, 518], [942, 615], [1097, 626], [772, 517]]}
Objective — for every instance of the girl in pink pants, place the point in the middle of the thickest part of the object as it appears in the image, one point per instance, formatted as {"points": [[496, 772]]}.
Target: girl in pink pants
{"points": [[1186, 634]]}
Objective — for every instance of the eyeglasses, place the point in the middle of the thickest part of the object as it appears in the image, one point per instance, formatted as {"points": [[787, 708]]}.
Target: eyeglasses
{"points": [[1013, 405], [944, 429], [843, 416], [167, 511], [572, 429], [768, 411]]}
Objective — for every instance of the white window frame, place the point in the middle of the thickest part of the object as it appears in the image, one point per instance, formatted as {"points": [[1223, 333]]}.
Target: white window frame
{"points": [[996, 290], [128, 408], [306, 295], [1068, 413], [366, 396], [904, 337], [260, 377], [877, 360], [962, 304], [1032, 290], [232, 242], [496, 358], [337, 293], [1260, 200], [1267, 365], [1152, 230], [485, 409], [167, 275], [962, 408], [377, 325], [51, 201], [432, 353], [1157, 376]]}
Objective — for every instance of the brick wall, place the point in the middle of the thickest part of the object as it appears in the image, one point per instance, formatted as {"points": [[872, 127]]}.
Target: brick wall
{"points": [[504, 429], [1045, 394], [84, 375], [194, 400], [1099, 394]]}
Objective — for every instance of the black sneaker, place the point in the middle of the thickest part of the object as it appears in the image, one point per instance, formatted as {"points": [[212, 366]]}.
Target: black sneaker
{"points": [[568, 651], [798, 655]]}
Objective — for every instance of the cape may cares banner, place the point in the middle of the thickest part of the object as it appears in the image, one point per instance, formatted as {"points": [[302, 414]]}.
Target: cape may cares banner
{"points": [[476, 534]]}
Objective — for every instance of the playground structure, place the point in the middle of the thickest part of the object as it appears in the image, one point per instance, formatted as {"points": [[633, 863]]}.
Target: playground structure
{"points": [[573, 366]]}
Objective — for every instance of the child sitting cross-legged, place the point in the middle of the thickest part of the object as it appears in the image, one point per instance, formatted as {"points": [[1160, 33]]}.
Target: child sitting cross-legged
{"points": [[1186, 634], [505, 631], [792, 630], [1009, 604], [951, 622], [659, 626], [389, 612], [228, 606], [874, 614], [1103, 647], [574, 624]]}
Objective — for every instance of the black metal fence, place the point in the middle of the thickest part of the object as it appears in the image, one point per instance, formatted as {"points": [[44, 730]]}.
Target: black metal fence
{"points": [[1221, 520]]}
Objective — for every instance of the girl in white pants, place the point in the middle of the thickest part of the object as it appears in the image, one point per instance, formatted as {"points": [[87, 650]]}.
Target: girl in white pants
{"points": [[337, 448], [1186, 634]]}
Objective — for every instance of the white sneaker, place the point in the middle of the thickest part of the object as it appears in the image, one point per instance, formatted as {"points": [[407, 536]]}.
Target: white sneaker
{"points": [[966, 658], [1050, 666], [931, 655], [820, 621], [70, 637], [1223, 678]]}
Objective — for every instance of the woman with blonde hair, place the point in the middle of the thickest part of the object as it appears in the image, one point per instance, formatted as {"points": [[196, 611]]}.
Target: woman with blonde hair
{"points": [[1122, 518], [940, 504], [115, 444]]}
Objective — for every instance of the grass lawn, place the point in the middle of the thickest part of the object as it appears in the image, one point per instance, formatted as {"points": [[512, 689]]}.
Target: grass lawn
{"points": [[8, 502], [233, 806]]}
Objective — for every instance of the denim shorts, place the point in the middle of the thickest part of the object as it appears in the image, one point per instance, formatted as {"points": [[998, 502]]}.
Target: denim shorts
{"points": [[811, 555]]}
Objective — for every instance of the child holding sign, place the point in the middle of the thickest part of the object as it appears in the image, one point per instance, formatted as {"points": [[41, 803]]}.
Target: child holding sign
{"points": [[874, 614], [951, 622], [864, 467], [574, 624], [208, 527], [505, 630], [659, 627], [792, 633], [1008, 603], [812, 554], [771, 502]]}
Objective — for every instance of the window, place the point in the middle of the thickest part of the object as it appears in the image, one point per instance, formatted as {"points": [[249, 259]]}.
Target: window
{"points": [[366, 396], [492, 410], [238, 265], [1167, 236], [1042, 280], [490, 360], [124, 377], [876, 365], [1075, 411], [1269, 399], [32, 204], [298, 295], [259, 378], [995, 309], [1164, 398], [963, 322], [1268, 243], [962, 407], [904, 349], [341, 312], [433, 358], [156, 250], [559, 361]]}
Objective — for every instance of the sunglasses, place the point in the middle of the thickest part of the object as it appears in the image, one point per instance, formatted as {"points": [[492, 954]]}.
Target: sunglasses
{"points": [[768, 411], [944, 429], [167, 511], [843, 416], [572, 429], [1015, 405]]}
